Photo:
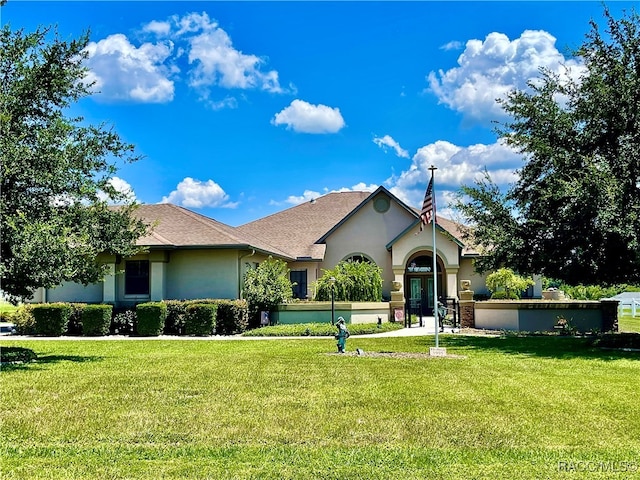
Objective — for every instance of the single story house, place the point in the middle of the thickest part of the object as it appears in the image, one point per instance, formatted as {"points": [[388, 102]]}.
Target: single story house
{"points": [[188, 255]]}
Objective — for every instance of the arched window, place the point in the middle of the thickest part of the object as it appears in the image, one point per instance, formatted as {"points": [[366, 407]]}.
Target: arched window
{"points": [[359, 258]]}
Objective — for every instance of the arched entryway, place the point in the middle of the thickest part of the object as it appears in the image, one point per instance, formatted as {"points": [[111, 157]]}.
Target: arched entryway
{"points": [[418, 283]]}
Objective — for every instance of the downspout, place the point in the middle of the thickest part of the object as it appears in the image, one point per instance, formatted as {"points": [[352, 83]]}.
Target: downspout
{"points": [[240, 258]]}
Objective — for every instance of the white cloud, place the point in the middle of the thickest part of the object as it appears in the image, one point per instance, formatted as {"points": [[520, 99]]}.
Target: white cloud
{"points": [[304, 117], [192, 193], [489, 69], [456, 166], [453, 45], [216, 62], [123, 72], [146, 73], [388, 142]]}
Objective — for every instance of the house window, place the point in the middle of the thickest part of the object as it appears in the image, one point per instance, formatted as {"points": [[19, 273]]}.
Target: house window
{"points": [[358, 258], [299, 280], [136, 279]]}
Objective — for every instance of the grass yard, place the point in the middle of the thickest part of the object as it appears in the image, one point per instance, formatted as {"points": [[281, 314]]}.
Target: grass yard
{"points": [[629, 324], [525, 408]]}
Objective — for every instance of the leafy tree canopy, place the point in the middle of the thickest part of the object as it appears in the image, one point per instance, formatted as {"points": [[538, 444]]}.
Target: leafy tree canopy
{"points": [[56, 170], [574, 212], [265, 287], [351, 281]]}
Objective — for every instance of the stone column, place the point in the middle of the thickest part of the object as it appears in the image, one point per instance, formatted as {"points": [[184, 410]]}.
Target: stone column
{"points": [[467, 305], [396, 305]]}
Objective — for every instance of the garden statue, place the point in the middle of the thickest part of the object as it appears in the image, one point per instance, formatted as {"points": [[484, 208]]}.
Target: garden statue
{"points": [[342, 335]]}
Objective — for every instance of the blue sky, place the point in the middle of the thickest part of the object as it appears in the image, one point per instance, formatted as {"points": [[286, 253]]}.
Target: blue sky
{"points": [[242, 109]]}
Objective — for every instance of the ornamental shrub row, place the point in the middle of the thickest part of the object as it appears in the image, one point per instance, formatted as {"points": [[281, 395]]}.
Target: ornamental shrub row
{"points": [[172, 317]]}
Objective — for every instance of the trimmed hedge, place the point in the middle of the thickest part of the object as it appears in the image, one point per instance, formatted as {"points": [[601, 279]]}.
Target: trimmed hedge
{"points": [[51, 319], [200, 318], [23, 318], [74, 326], [96, 319], [151, 317], [232, 317], [176, 312]]}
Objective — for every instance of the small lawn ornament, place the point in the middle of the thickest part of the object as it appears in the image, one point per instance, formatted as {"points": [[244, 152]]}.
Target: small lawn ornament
{"points": [[342, 335]]}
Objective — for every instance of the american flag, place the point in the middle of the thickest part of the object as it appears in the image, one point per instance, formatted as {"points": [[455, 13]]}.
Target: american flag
{"points": [[428, 206]]}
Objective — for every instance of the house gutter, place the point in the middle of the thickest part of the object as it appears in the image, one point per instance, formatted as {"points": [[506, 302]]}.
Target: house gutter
{"points": [[240, 258]]}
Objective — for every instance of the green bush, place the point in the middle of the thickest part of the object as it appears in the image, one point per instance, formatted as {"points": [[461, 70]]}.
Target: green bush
{"points": [[6, 316], [74, 326], [151, 317], [123, 322], [232, 317], [505, 282], [96, 319], [504, 296], [265, 287], [320, 329], [24, 321], [51, 319], [355, 281], [176, 311], [200, 318]]}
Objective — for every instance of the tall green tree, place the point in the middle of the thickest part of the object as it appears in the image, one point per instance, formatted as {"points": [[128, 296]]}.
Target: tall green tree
{"points": [[574, 213], [265, 287], [351, 281], [56, 169]]}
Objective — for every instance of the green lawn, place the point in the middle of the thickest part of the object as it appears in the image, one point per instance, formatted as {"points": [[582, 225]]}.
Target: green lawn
{"points": [[525, 408], [629, 324]]}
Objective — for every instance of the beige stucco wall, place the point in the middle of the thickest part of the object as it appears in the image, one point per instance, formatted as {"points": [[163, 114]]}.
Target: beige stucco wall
{"points": [[75, 292], [478, 281], [203, 274], [367, 232]]}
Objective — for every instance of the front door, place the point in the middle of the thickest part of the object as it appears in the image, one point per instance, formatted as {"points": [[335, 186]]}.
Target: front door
{"points": [[421, 295]]}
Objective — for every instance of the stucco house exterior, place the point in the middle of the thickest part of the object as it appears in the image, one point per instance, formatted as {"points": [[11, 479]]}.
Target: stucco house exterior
{"points": [[188, 255]]}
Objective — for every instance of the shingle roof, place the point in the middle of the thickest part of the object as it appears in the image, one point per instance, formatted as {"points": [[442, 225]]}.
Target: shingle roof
{"points": [[296, 229], [174, 226]]}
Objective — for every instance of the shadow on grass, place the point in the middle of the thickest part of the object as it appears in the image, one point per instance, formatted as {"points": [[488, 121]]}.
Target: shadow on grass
{"points": [[18, 358], [547, 346]]}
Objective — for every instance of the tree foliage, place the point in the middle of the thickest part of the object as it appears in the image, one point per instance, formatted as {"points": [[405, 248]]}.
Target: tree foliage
{"points": [[56, 169], [573, 214], [504, 282], [354, 281], [265, 287]]}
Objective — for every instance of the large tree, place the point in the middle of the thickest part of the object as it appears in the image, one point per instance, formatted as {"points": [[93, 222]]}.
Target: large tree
{"points": [[574, 213], [57, 170]]}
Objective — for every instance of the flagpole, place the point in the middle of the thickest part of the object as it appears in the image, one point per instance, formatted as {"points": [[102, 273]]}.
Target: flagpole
{"points": [[435, 262]]}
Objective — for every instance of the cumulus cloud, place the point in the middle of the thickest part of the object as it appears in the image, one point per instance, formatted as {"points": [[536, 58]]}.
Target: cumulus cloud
{"points": [[146, 73], [192, 193], [122, 71], [304, 117], [388, 142], [217, 62], [488, 69], [456, 166]]}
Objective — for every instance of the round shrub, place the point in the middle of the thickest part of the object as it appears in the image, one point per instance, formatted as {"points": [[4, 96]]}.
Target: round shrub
{"points": [[123, 322], [200, 319], [24, 321], [51, 319], [96, 319], [151, 317]]}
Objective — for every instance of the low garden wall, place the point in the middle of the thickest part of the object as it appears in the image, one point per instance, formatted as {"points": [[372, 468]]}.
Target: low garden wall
{"points": [[320, 312], [543, 315]]}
